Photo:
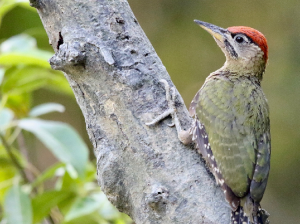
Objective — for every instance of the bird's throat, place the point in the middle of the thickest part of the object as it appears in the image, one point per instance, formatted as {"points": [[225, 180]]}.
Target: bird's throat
{"points": [[251, 68]]}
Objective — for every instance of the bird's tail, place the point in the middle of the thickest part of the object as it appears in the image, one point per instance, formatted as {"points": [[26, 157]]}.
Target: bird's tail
{"points": [[239, 217]]}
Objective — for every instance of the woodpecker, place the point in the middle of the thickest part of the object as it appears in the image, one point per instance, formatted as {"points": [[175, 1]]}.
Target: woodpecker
{"points": [[231, 127]]}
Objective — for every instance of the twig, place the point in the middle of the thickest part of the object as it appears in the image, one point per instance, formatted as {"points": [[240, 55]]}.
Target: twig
{"points": [[14, 159], [24, 152], [27, 177]]}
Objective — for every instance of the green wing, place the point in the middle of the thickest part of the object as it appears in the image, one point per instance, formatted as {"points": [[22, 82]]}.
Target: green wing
{"points": [[235, 116]]}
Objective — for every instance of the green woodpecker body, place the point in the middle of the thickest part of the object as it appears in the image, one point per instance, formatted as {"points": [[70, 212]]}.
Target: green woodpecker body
{"points": [[234, 112], [232, 127]]}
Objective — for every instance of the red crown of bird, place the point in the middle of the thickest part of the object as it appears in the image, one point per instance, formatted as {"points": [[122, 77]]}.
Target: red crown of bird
{"points": [[255, 35]]}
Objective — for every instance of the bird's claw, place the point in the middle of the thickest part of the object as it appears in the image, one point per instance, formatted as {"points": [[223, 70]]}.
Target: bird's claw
{"points": [[183, 136], [171, 104], [171, 125]]}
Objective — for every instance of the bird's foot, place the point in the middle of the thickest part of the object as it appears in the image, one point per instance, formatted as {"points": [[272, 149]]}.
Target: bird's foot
{"points": [[171, 105], [184, 136]]}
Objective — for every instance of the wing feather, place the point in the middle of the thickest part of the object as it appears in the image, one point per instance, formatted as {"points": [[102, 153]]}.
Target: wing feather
{"points": [[236, 122]]}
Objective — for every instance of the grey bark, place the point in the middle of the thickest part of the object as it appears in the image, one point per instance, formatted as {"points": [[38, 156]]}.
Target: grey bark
{"points": [[114, 72]]}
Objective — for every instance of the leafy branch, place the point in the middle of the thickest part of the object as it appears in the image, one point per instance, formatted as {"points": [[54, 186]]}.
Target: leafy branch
{"points": [[73, 197]]}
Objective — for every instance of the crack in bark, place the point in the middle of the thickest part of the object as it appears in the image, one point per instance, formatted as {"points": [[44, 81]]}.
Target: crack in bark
{"points": [[115, 118]]}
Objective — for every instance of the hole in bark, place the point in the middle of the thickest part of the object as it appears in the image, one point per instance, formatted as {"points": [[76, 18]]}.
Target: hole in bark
{"points": [[119, 20], [123, 37], [146, 54], [60, 41], [133, 52]]}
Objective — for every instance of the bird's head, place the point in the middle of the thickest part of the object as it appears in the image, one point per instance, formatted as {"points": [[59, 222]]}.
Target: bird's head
{"points": [[245, 48]]}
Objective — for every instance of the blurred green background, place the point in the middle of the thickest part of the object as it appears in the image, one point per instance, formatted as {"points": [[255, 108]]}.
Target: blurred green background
{"points": [[190, 54]]}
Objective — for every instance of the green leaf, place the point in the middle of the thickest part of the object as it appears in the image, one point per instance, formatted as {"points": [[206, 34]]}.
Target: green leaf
{"points": [[48, 174], [6, 117], [25, 79], [25, 4], [19, 104], [18, 43], [17, 58], [64, 206], [35, 73], [46, 108], [67, 183], [7, 5], [22, 49], [61, 139], [82, 207], [17, 207], [7, 172], [2, 72], [4, 8], [93, 218], [42, 204]]}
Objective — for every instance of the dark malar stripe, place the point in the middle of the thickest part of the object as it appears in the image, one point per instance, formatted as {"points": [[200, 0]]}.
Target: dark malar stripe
{"points": [[230, 49]]}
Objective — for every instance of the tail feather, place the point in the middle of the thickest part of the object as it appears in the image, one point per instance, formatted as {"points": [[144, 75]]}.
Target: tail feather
{"points": [[239, 217], [263, 216]]}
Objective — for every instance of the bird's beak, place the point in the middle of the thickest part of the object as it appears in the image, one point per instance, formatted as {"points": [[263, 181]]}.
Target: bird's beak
{"points": [[217, 32]]}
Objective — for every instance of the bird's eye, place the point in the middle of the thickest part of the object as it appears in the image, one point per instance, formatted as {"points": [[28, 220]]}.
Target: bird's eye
{"points": [[239, 39]]}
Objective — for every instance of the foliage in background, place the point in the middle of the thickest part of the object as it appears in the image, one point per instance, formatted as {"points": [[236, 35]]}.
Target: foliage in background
{"points": [[190, 54], [66, 192]]}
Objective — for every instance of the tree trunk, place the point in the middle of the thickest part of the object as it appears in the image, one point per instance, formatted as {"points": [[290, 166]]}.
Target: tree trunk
{"points": [[114, 72]]}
